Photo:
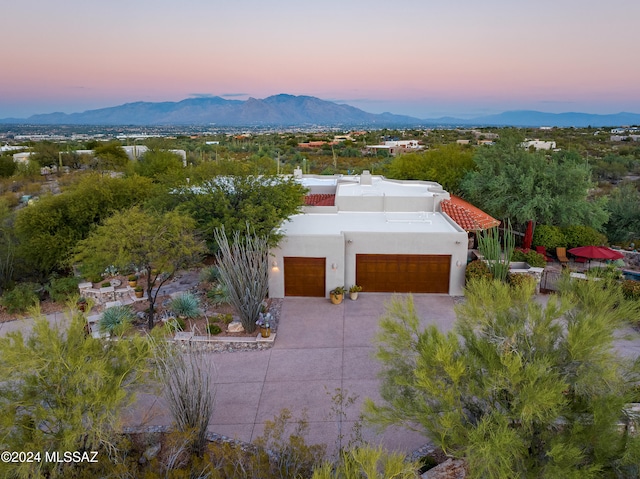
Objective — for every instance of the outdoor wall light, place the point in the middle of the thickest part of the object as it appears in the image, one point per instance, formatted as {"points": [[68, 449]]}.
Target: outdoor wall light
{"points": [[458, 263], [274, 266], [334, 266]]}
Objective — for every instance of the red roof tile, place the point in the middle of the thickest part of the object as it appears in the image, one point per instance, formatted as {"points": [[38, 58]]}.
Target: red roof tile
{"points": [[468, 217], [320, 200]]}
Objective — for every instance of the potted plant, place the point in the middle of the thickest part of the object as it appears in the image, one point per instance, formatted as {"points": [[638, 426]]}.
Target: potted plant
{"points": [[337, 294], [263, 323], [353, 291], [133, 280], [139, 291]]}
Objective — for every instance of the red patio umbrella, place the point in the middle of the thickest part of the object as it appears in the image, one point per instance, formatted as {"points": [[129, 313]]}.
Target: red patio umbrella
{"points": [[596, 252]]}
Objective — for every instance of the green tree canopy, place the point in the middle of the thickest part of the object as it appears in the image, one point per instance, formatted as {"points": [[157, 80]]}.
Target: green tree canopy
{"points": [[162, 166], [157, 244], [49, 229], [7, 166], [63, 391], [518, 389], [445, 164], [110, 156], [624, 214], [232, 202], [511, 182]]}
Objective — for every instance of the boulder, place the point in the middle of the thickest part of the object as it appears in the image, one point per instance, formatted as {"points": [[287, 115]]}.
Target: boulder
{"points": [[235, 327], [150, 453]]}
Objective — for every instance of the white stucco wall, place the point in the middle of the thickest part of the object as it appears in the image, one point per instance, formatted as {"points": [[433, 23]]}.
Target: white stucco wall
{"points": [[437, 236], [330, 247]]}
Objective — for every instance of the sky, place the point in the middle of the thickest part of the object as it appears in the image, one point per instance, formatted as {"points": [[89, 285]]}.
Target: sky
{"points": [[415, 57]]}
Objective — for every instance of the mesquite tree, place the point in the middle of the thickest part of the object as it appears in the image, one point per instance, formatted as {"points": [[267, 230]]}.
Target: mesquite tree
{"points": [[518, 389], [154, 243], [244, 270]]}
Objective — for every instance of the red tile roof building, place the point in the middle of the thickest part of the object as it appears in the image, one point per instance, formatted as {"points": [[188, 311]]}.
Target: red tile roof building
{"points": [[320, 200], [467, 216]]}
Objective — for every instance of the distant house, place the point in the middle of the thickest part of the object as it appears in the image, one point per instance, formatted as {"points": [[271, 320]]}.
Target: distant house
{"points": [[384, 235], [395, 147], [22, 157], [135, 151], [539, 144], [312, 144]]}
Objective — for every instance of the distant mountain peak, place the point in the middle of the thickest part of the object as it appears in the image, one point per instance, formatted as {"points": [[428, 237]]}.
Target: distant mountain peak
{"points": [[277, 110], [284, 109]]}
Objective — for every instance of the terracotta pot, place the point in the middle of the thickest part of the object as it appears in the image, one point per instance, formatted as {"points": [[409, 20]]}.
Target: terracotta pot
{"points": [[265, 332], [139, 294], [336, 298], [133, 284]]}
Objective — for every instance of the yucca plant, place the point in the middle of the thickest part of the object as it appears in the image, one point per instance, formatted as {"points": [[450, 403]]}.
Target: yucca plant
{"points": [[116, 318], [186, 305]]}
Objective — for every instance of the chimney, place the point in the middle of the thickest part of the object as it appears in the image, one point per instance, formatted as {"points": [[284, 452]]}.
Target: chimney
{"points": [[297, 173], [365, 178]]}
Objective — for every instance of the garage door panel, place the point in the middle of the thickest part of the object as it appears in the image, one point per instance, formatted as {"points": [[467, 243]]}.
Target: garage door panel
{"points": [[304, 276], [403, 273]]}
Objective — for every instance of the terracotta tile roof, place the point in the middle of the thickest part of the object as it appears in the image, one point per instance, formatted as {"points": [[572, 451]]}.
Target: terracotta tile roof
{"points": [[468, 217], [320, 200]]}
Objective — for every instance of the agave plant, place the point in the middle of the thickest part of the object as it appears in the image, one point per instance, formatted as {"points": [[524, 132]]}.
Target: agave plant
{"points": [[185, 305], [210, 274], [115, 317], [219, 294]]}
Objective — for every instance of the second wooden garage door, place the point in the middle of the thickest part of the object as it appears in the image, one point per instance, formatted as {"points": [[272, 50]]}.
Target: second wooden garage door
{"points": [[304, 276], [403, 273]]}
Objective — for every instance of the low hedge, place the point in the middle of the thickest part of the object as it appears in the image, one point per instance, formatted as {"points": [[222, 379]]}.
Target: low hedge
{"points": [[477, 270], [531, 257]]}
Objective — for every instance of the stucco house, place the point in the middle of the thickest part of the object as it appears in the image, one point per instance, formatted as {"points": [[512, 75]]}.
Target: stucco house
{"points": [[384, 235]]}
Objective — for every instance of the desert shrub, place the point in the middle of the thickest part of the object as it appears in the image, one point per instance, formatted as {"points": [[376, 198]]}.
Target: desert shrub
{"points": [[186, 305], [531, 257], [225, 318], [519, 280], [477, 270], [106, 284], [631, 289], [548, 236], [610, 272], [116, 318], [61, 289], [20, 298], [210, 274], [583, 236], [213, 329], [176, 324]]}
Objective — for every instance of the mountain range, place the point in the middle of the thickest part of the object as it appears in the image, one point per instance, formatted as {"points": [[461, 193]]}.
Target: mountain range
{"points": [[290, 110]]}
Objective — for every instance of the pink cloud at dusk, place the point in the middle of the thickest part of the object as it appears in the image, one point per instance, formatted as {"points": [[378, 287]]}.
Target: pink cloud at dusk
{"points": [[420, 58]]}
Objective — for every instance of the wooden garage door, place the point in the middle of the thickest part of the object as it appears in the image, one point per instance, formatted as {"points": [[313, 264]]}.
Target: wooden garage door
{"points": [[304, 276], [403, 273]]}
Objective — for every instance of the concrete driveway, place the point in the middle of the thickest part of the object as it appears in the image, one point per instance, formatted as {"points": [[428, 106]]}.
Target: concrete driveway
{"points": [[320, 348]]}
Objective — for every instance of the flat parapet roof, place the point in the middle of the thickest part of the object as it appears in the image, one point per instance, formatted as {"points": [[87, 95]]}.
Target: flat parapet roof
{"points": [[383, 187], [374, 222]]}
